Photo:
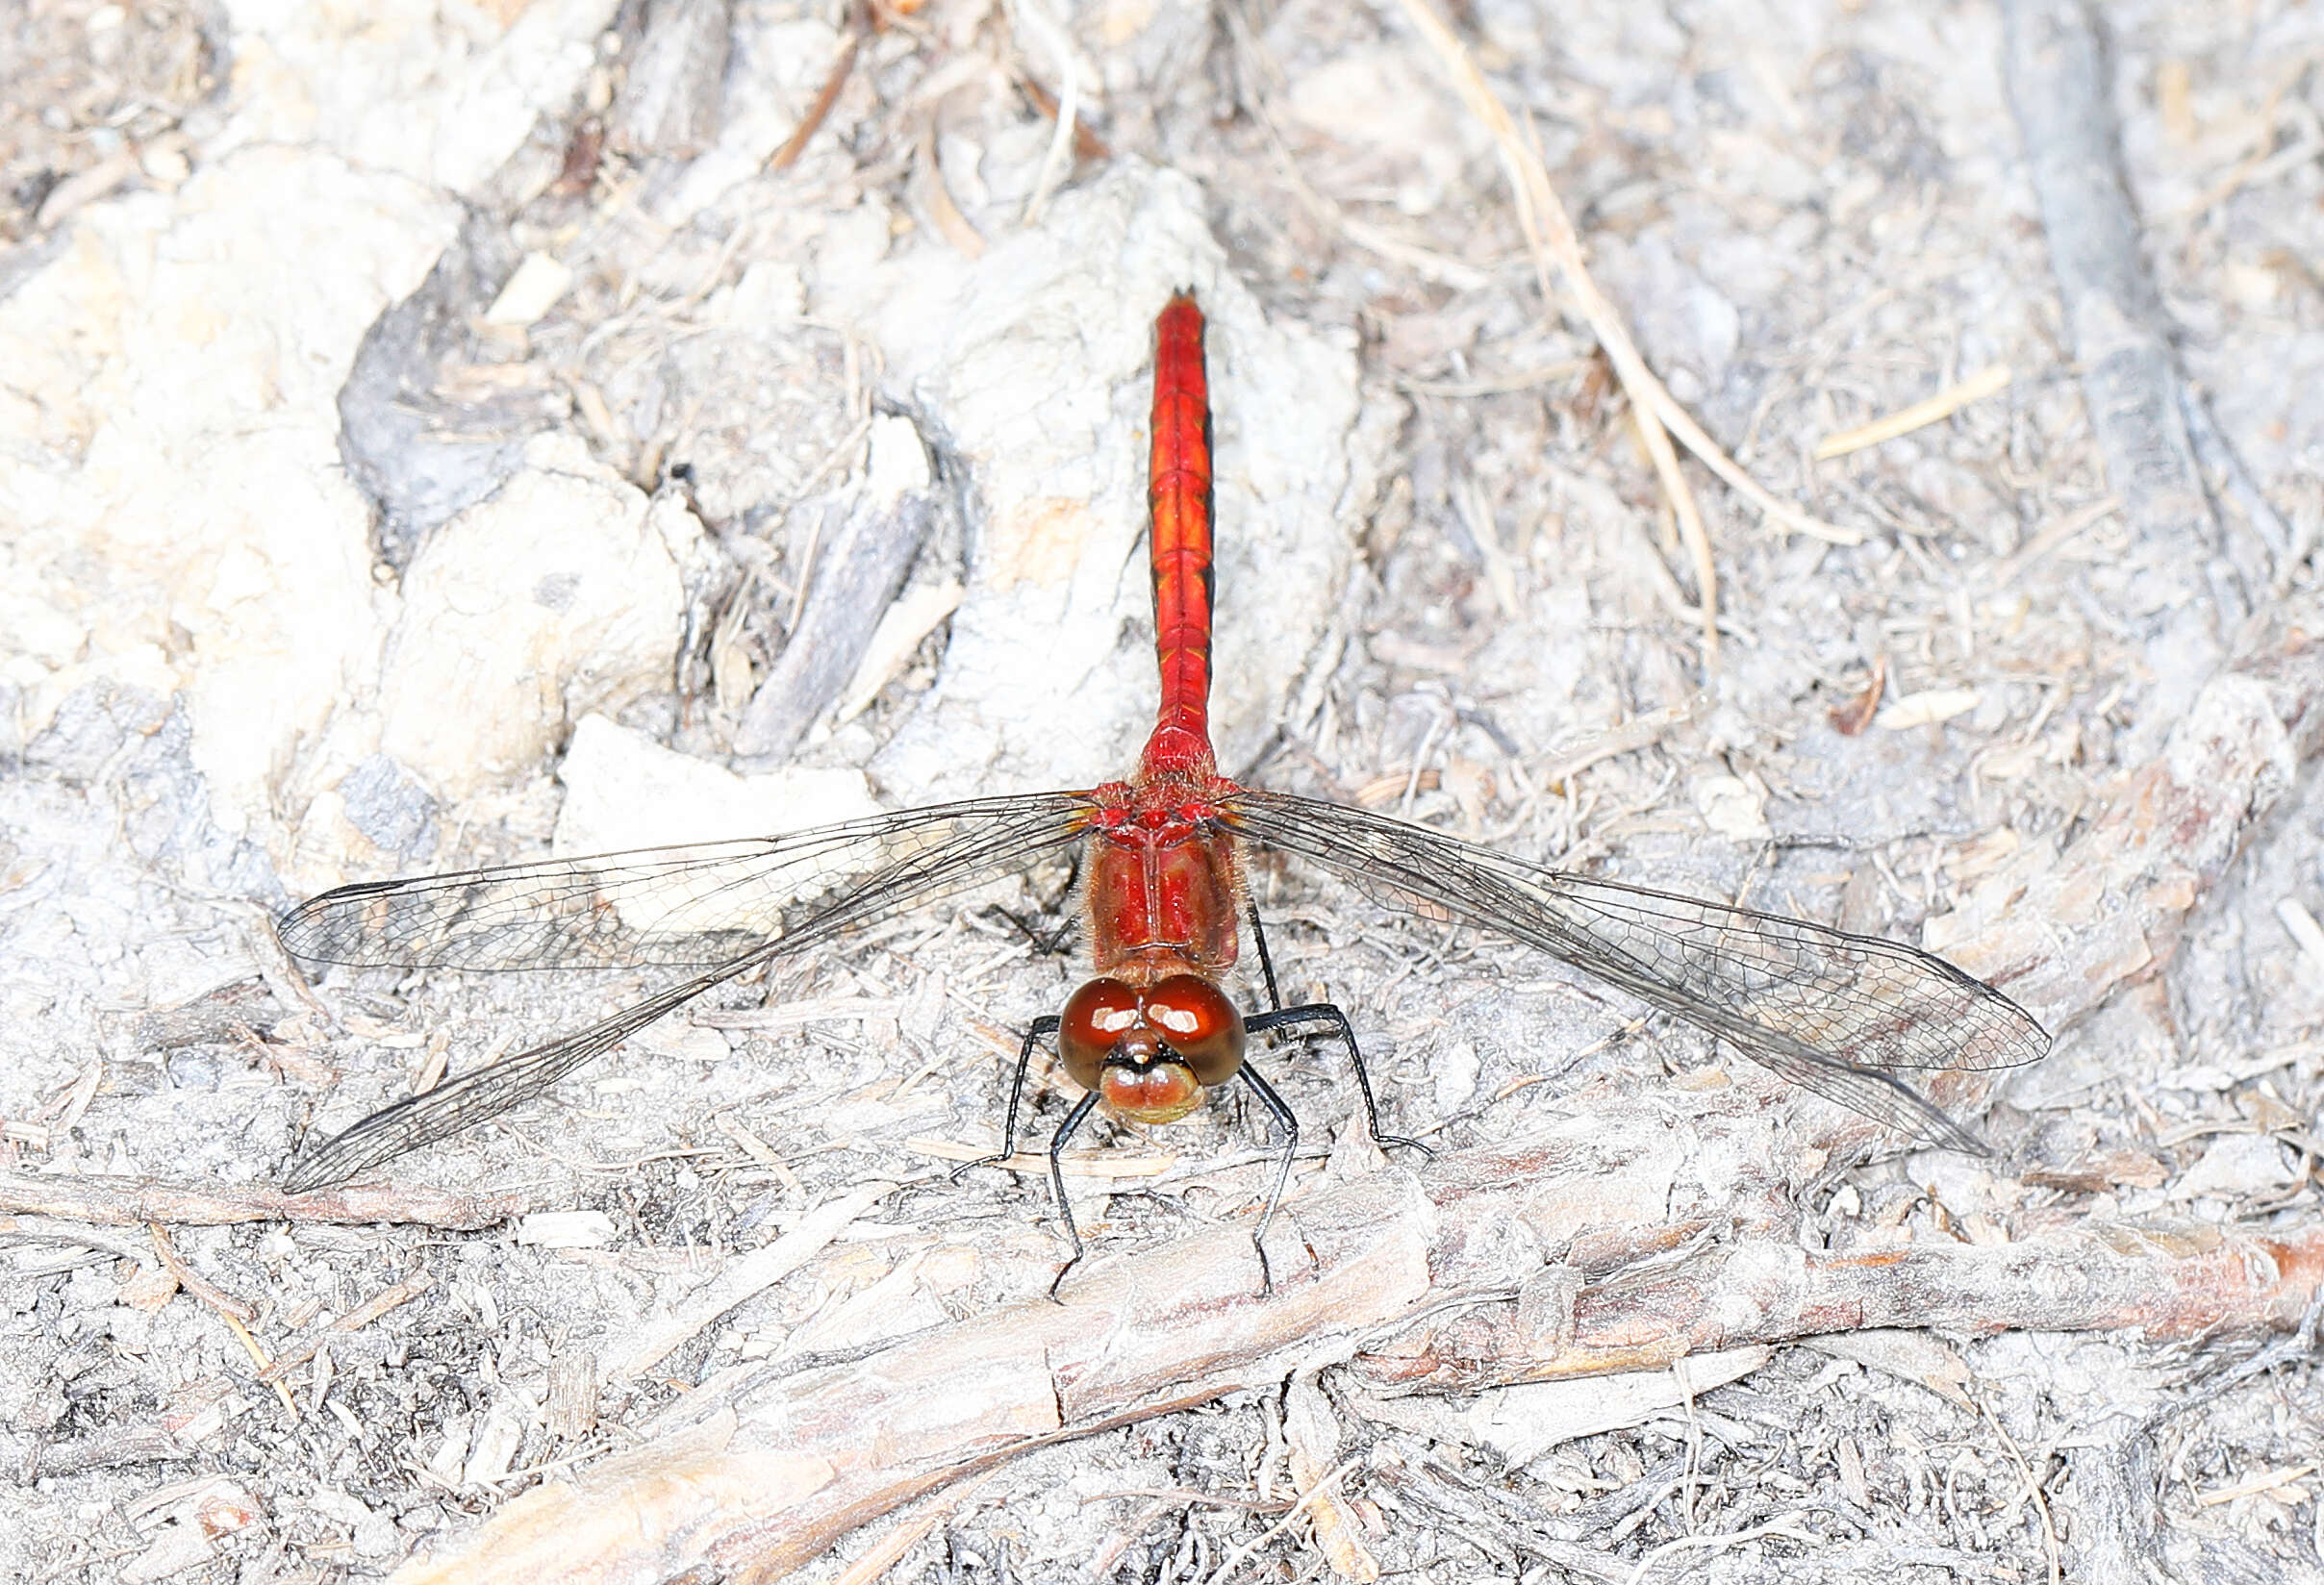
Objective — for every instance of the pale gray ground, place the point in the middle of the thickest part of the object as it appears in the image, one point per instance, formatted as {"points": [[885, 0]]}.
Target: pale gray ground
{"points": [[254, 642]]}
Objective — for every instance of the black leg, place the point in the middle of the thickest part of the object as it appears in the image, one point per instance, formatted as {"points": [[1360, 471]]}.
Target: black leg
{"points": [[1258, 939], [1008, 1129], [1290, 1124], [1049, 943], [1065, 1207], [1329, 1014], [1279, 1016]]}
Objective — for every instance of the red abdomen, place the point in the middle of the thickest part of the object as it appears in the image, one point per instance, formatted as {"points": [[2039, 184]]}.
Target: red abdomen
{"points": [[1179, 502]]}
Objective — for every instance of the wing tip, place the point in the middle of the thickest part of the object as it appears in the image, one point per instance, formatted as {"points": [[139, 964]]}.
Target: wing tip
{"points": [[315, 1171]]}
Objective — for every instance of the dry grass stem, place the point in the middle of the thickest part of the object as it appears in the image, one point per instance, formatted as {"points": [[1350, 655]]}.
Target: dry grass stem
{"points": [[1984, 383], [820, 110]]}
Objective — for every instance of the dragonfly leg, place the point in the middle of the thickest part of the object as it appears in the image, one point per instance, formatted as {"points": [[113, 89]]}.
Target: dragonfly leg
{"points": [[1258, 940], [1065, 1207], [1050, 943], [1279, 1016], [1008, 1129], [1290, 1124], [1329, 1015]]}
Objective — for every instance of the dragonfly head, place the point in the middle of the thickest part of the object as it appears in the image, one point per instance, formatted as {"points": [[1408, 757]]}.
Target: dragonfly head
{"points": [[1150, 1051]]}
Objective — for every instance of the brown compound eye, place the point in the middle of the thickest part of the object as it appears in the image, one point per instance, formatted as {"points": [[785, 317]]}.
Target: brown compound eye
{"points": [[1200, 1024], [1096, 1018]]}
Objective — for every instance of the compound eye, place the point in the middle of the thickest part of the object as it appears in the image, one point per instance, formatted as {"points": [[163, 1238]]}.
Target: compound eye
{"points": [[1200, 1024], [1094, 1022]]}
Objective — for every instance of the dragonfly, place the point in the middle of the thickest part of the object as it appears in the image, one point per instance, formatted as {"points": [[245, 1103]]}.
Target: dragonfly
{"points": [[1164, 858]]}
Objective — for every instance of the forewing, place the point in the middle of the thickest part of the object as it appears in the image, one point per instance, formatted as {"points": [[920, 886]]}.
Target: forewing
{"points": [[1832, 1011], [697, 906], [784, 894]]}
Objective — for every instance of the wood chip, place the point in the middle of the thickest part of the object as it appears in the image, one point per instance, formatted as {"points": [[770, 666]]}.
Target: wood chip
{"points": [[1311, 1432], [2303, 929], [1927, 707]]}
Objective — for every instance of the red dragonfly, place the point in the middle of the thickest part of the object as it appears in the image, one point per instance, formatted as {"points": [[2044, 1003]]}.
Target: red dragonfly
{"points": [[1153, 1034]]}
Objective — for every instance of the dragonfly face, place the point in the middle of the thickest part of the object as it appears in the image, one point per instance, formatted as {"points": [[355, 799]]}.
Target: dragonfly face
{"points": [[1150, 1053]]}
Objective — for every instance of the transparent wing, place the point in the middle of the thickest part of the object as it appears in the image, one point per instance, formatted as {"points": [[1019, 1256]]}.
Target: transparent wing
{"points": [[471, 1098], [1834, 1013], [692, 907], [765, 898]]}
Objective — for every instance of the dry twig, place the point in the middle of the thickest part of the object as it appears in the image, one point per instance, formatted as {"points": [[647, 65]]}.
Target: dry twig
{"points": [[1975, 387], [873, 1565], [1087, 144], [836, 79], [754, 1272], [195, 1283], [307, 1343], [123, 1202], [2176, 1284], [1037, 20], [2054, 67]]}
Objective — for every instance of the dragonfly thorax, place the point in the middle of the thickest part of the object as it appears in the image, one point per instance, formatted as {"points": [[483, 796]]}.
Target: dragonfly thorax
{"points": [[1150, 1051], [1162, 898]]}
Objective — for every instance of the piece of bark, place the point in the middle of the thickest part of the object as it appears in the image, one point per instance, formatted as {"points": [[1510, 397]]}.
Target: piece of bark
{"points": [[1312, 1445], [113, 1448], [120, 1202], [855, 581], [213, 1020], [571, 1410], [673, 99], [420, 447]]}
